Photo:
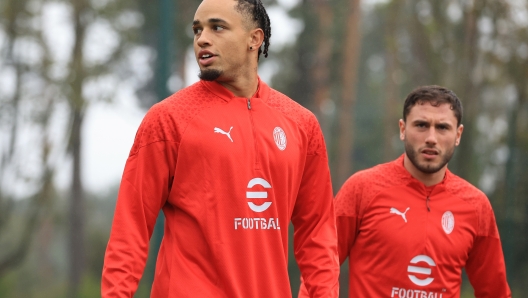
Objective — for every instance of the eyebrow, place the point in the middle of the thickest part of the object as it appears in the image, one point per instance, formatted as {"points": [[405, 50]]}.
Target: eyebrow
{"points": [[446, 124], [420, 121], [211, 20]]}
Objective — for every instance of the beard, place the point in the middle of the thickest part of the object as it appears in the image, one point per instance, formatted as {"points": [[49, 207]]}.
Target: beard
{"points": [[209, 74], [425, 167]]}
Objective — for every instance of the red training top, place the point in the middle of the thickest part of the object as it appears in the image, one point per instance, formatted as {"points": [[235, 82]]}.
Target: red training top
{"points": [[408, 241], [229, 174]]}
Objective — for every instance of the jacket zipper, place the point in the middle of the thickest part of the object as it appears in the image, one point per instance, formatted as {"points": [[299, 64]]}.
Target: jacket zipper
{"points": [[257, 163], [427, 214]]}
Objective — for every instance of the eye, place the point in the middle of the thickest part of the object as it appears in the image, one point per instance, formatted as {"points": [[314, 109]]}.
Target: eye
{"points": [[197, 30], [218, 28]]}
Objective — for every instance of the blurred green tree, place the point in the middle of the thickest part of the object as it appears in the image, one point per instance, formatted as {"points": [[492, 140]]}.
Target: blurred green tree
{"points": [[26, 103], [478, 49], [55, 77]]}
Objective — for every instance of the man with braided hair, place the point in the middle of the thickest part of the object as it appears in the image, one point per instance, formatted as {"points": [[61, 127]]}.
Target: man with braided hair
{"points": [[230, 162]]}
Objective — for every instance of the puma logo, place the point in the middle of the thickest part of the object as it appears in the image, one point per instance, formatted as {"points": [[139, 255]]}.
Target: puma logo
{"points": [[402, 214], [228, 134]]}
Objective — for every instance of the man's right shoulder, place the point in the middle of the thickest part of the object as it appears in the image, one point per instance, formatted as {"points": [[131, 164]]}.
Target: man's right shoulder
{"points": [[181, 105], [379, 174], [194, 94], [364, 185], [353, 196], [168, 119]]}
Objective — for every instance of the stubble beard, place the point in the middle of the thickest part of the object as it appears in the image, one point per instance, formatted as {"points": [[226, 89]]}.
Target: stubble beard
{"points": [[209, 74], [425, 167]]}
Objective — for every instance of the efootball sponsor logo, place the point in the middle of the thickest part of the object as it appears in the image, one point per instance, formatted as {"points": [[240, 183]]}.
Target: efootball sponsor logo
{"points": [[258, 194], [257, 190], [419, 272], [417, 266], [256, 223], [413, 293]]}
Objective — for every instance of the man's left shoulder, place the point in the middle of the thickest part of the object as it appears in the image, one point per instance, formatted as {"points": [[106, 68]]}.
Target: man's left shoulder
{"points": [[479, 201], [289, 107], [466, 191]]}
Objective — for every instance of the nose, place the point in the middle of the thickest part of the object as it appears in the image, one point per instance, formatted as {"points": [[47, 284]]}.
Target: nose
{"points": [[431, 136], [202, 39]]}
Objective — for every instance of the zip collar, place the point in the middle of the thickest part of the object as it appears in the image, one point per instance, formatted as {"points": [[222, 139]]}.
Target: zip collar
{"points": [[217, 89], [417, 184]]}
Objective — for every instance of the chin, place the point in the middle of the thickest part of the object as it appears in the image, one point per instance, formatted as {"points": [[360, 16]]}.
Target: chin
{"points": [[430, 168], [209, 74]]}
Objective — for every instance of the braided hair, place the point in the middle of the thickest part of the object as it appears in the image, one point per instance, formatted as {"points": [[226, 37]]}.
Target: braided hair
{"points": [[255, 11]]}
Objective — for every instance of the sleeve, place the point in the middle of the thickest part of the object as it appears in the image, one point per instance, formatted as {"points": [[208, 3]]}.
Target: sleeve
{"points": [[347, 219], [485, 266], [347, 222], [143, 192], [315, 238]]}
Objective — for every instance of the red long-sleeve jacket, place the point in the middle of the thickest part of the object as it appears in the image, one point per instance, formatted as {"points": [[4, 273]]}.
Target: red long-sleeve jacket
{"points": [[406, 240], [229, 174]]}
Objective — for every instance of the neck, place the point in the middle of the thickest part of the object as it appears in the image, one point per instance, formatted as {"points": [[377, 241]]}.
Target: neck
{"points": [[243, 85], [427, 179]]}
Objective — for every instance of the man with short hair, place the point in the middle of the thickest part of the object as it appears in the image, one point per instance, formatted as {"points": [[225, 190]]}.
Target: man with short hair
{"points": [[230, 162], [410, 226]]}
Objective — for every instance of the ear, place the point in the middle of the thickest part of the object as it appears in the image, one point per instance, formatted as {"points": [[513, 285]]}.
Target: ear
{"points": [[402, 129], [460, 129], [256, 38]]}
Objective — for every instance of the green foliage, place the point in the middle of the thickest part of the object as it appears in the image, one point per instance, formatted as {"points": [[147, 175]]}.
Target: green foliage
{"points": [[90, 287], [7, 283], [477, 49]]}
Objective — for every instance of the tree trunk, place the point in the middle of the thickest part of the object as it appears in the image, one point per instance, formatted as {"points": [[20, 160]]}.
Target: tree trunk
{"points": [[513, 173], [352, 46], [76, 214], [320, 72], [77, 106], [14, 254], [465, 162], [391, 88]]}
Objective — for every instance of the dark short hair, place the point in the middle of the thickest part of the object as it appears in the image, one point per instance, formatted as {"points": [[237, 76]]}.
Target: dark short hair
{"points": [[435, 95], [255, 11]]}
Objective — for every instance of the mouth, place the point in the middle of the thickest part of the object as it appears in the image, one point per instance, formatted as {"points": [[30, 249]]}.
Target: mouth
{"points": [[429, 153], [205, 57]]}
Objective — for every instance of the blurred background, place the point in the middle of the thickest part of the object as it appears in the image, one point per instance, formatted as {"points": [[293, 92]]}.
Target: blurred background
{"points": [[76, 78]]}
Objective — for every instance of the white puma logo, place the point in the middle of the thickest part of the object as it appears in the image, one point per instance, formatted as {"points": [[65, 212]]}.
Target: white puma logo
{"points": [[228, 134], [396, 211]]}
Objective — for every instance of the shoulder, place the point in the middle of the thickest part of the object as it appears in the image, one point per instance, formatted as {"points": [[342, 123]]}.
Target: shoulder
{"points": [[292, 109], [381, 175], [478, 200], [465, 191], [304, 118], [186, 98], [358, 190], [166, 120], [193, 95]]}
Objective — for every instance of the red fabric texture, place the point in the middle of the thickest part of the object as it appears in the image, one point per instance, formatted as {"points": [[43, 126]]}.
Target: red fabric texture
{"points": [[398, 248], [208, 161]]}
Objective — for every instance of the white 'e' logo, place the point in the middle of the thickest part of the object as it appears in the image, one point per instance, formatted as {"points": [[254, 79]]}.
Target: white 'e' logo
{"points": [[258, 194], [421, 270]]}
